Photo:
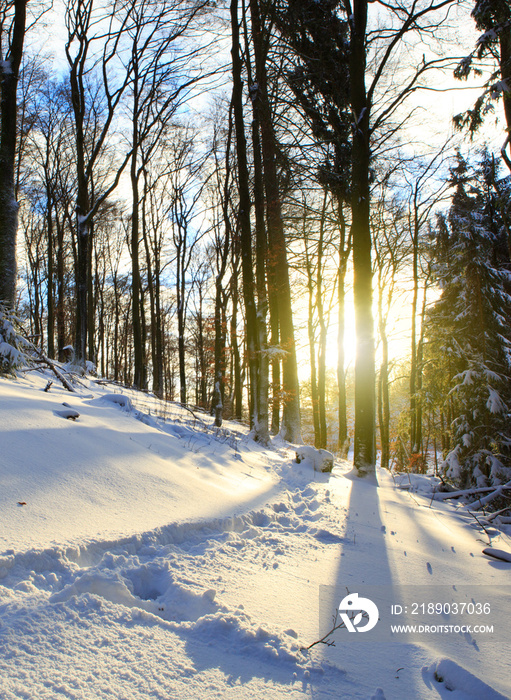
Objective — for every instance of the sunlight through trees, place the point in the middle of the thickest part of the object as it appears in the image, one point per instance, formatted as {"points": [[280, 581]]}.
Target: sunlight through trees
{"points": [[238, 206]]}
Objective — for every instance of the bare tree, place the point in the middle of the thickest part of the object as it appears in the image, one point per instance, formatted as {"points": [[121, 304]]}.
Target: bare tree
{"points": [[160, 80], [98, 81]]}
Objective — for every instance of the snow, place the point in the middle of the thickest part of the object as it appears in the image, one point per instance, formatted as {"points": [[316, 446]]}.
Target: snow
{"points": [[460, 682], [171, 559], [321, 460]]}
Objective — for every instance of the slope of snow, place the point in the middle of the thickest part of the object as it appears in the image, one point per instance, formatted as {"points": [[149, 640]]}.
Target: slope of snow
{"points": [[168, 560]]}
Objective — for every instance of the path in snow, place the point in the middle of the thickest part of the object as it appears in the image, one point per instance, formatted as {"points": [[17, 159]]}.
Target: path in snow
{"points": [[218, 580], [221, 608]]}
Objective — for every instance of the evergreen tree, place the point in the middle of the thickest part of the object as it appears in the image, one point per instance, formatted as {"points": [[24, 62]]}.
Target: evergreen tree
{"points": [[493, 19], [468, 331]]}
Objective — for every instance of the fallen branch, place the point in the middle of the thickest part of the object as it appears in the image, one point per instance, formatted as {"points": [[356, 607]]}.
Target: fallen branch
{"points": [[492, 516], [54, 369], [497, 554], [444, 496], [490, 497]]}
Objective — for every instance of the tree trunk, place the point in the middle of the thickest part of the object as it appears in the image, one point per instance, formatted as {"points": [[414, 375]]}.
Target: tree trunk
{"points": [[365, 450], [159, 336], [81, 285], [180, 292], [343, 441], [91, 297], [151, 287], [261, 252], [253, 350], [61, 286], [236, 378], [383, 391], [9, 74], [414, 445], [220, 295], [83, 232], [136, 286], [277, 254], [312, 358], [217, 403], [275, 363], [323, 438], [50, 297]]}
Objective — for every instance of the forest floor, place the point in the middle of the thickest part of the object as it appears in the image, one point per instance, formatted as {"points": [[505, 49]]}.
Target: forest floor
{"points": [[142, 558]]}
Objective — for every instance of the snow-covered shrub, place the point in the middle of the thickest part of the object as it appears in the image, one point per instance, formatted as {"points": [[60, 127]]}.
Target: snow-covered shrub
{"points": [[321, 460], [13, 347], [91, 368]]}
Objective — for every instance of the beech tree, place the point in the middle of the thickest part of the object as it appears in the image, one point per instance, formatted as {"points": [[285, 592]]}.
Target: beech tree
{"points": [[159, 82], [258, 418], [13, 17], [49, 187], [222, 250], [92, 54], [185, 189], [279, 280], [373, 102]]}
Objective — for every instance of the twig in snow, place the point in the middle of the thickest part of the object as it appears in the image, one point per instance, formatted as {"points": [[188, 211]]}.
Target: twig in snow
{"points": [[481, 526], [336, 625]]}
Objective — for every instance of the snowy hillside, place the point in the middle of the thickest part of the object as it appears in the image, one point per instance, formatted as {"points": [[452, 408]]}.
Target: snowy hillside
{"points": [[148, 559]]}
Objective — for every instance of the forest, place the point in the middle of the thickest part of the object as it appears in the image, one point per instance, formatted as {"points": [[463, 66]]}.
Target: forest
{"points": [[261, 209]]}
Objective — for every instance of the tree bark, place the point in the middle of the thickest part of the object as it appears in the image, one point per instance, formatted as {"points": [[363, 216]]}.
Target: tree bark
{"points": [[277, 254], [344, 251], [223, 250], [253, 350], [50, 296], [323, 437], [261, 247], [9, 74], [237, 389], [136, 286], [414, 444], [365, 449], [312, 358]]}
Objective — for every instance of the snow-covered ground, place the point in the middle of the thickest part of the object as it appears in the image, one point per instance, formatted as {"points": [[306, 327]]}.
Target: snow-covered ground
{"points": [[147, 559]]}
